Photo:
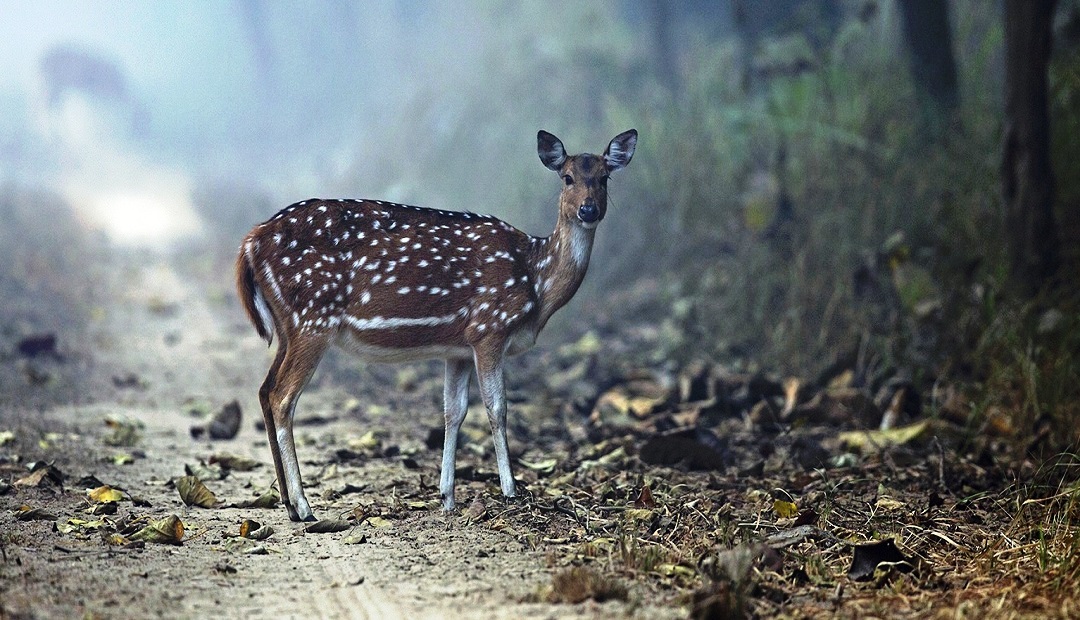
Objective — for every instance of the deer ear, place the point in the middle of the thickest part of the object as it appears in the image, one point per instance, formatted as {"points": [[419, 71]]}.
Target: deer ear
{"points": [[620, 150], [550, 149]]}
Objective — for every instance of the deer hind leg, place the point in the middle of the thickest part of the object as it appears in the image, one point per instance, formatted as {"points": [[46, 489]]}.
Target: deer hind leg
{"points": [[455, 406], [268, 420], [489, 373], [288, 376]]}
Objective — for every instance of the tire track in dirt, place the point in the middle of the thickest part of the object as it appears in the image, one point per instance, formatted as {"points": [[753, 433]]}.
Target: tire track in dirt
{"points": [[199, 353]]}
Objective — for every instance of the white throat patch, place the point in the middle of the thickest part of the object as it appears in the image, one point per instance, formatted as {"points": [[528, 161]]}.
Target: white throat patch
{"points": [[580, 245]]}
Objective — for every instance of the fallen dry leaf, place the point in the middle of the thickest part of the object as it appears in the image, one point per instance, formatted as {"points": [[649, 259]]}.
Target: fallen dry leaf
{"points": [[785, 509], [545, 466], [355, 538], [194, 493], [645, 498], [125, 433], [40, 473], [169, 530], [379, 522], [269, 499], [869, 556], [869, 442], [104, 494], [245, 546], [26, 513], [699, 448], [233, 462], [255, 531], [327, 526]]}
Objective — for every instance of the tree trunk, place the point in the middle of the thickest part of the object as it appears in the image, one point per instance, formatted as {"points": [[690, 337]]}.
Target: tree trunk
{"points": [[1026, 174], [933, 66]]}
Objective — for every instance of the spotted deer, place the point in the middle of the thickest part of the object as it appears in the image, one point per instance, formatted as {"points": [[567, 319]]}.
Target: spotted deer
{"points": [[394, 283]]}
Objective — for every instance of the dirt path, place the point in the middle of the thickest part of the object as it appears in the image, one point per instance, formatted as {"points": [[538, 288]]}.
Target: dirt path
{"points": [[171, 346]]}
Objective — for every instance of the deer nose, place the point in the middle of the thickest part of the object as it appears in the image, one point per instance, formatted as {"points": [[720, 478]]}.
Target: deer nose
{"points": [[588, 212]]}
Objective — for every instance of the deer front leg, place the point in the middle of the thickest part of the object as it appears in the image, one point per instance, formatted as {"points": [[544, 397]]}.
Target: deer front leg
{"points": [[455, 406], [489, 373]]}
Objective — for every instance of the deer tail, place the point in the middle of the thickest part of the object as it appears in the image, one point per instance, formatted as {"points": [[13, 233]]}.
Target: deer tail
{"points": [[251, 296]]}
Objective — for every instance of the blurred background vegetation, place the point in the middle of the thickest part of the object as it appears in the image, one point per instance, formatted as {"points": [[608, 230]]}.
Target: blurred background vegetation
{"points": [[810, 192]]}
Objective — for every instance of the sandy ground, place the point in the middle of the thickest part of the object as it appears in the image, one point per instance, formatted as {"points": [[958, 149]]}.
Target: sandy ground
{"points": [[165, 345]]}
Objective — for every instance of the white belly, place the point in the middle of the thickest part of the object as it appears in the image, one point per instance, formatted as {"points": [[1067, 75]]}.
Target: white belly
{"points": [[346, 340]]}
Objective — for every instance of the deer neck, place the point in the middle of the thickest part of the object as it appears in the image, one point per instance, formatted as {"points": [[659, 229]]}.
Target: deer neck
{"points": [[559, 266]]}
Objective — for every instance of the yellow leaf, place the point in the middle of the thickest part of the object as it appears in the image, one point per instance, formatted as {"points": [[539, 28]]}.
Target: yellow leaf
{"points": [[872, 441], [638, 514], [888, 504], [104, 494], [366, 442], [785, 510], [122, 458], [194, 492], [545, 466], [117, 540], [379, 522]]}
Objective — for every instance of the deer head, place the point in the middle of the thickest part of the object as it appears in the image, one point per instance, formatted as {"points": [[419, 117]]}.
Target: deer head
{"points": [[583, 200]]}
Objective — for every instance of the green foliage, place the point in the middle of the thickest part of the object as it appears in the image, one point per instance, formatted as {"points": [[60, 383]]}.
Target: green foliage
{"points": [[841, 142]]}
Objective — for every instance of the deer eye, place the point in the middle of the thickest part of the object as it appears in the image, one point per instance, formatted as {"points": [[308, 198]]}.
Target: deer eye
{"points": [[568, 179]]}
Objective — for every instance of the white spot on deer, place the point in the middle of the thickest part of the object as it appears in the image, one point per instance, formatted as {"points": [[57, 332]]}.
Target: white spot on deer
{"points": [[403, 290], [391, 279], [422, 263], [510, 282], [365, 297], [376, 278], [285, 260]]}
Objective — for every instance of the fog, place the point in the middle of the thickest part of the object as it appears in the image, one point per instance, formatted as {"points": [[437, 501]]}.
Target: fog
{"points": [[782, 142], [151, 119]]}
